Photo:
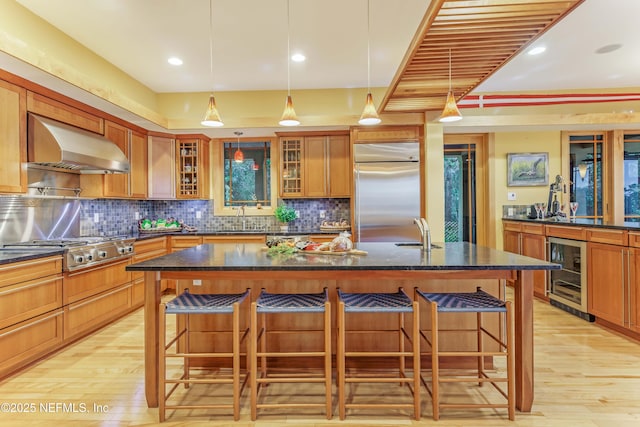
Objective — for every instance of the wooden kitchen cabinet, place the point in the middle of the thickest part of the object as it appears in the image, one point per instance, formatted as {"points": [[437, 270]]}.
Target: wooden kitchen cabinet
{"points": [[528, 240], [607, 282], [30, 311], [64, 113], [134, 145], [138, 159], [13, 138], [161, 167], [192, 155], [316, 166]]}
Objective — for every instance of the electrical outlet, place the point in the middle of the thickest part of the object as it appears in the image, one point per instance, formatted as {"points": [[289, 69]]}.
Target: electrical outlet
{"points": [[197, 282], [96, 217], [136, 215], [297, 214], [323, 214], [198, 214], [510, 212]]}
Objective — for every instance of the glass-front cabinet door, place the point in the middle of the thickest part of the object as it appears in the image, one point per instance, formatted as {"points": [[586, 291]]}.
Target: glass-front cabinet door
{"points": [[188, 169], [291, 156]]}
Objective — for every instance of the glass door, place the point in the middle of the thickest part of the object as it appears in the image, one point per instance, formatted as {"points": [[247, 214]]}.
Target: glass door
{"points": [[460, 192]]}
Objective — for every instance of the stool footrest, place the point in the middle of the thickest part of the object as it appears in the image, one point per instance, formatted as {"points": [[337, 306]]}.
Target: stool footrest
{"points": [[218, 406], [293, 354], [378, 380], [267, 380], [200, 381], [472, 380], [289, 405], [190, 355], [378, 353], [471, 353], [378, 405]]}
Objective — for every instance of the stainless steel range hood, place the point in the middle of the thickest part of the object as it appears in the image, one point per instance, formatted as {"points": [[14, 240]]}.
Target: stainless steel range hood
{"points": [[56, 145]]}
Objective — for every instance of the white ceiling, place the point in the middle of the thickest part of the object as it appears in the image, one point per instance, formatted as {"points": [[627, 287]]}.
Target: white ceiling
{"points": [[250, 43]]}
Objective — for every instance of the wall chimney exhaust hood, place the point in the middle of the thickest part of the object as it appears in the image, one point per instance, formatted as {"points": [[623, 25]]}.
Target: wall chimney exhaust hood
{"points": [[59, 146]]}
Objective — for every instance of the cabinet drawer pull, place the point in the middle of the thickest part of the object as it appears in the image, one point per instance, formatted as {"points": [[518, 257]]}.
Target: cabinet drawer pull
{"points": [[32, 285], [30, 324], [28, 263]]}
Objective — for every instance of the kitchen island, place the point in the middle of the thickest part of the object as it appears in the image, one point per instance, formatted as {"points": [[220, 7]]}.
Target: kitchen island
{"points": [[229, 267]]}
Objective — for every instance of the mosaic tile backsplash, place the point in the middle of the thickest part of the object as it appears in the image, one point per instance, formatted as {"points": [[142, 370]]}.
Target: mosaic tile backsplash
{"points": [[117, 217]]}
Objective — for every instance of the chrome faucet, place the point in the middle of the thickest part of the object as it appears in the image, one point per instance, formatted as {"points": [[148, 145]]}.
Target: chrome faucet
{"points": [[241, 208], [425, 233]]}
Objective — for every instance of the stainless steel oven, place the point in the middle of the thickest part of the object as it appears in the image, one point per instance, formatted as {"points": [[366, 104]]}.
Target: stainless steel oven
{"points": [[568, 286]]}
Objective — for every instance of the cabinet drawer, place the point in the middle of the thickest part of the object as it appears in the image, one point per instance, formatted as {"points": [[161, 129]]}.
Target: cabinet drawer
{"points": [[143, 246], [13, 273], [89, 282], [511, 226], [567, 232], [236, 238], [611, 237], [90, 314], [185, 241], [25, 300], [29, 340], [634, 239], [533, 228]]}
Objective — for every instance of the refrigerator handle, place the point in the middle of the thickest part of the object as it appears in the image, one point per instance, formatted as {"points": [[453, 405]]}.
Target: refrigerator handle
{"points": [[356, 180]]}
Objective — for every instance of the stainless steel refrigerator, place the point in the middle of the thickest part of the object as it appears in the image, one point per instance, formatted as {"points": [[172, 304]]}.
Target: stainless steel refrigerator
{"points": [[387, 191]]}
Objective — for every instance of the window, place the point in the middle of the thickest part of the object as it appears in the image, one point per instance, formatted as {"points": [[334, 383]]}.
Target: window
{"points": [[632, 177], [247, 182], [585, 164]]}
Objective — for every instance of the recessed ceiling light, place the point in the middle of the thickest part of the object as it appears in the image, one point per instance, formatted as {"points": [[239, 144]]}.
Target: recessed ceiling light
{"points": [[609, 48], [537, 50], [298, 57], [174, 61]]}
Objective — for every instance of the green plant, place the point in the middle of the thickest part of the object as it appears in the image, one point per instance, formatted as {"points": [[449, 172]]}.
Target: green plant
{"points": [[284, 213]]}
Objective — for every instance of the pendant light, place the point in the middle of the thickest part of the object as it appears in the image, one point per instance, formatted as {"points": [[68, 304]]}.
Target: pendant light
{"points": [[289, 115], [450, 112], [238, 156], [211, 117], [369, 114]]}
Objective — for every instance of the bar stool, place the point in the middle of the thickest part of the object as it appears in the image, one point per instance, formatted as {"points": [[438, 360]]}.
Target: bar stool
{"points": [[478, 302], [379, 303], [189, 304], [268, 303]]}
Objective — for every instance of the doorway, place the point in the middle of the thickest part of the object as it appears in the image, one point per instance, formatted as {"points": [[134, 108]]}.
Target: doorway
{"points": [[464, 205]]}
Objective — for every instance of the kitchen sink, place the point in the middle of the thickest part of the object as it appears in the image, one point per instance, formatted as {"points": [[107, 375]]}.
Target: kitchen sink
{"points": [[416, 245]]}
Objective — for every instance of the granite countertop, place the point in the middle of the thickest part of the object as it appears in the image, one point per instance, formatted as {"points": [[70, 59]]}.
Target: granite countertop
{"points": [[578, 222], [380, 256], [8, 256]]}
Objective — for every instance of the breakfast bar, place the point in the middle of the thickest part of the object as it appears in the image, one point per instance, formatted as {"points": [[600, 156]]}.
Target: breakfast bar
{"points": [[381, 267]]}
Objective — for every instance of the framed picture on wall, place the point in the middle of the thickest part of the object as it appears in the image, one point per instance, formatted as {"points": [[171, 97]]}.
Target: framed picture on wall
{"points": [[527, 169]]}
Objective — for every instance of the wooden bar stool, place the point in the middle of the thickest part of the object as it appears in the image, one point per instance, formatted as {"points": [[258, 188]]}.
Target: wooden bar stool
{"points": [[380, 303], [269, 304], [189, 304], [478, 302]]}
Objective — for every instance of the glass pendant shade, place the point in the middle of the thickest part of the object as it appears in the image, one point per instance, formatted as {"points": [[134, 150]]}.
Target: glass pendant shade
{"points": [[238, 156], [582, 170], [289, 117], [212, 117], [369, 114], [450, 112]]}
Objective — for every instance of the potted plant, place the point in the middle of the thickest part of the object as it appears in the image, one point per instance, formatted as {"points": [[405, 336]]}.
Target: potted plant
{"points": [[284, 214]]}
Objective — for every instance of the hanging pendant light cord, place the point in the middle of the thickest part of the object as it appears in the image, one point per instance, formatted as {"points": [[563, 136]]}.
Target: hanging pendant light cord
{"points": [[288, 51], [449, 69], [211, 42], [368, 48]]}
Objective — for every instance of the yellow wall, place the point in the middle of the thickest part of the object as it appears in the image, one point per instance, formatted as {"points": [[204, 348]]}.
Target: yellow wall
{"points": [[521, 142]]}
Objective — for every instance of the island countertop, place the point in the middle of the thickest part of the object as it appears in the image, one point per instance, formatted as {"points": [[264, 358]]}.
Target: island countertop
{"points": [[380, 256]]}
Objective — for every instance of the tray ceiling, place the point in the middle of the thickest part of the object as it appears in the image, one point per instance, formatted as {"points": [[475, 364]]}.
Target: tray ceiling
{"points": [[483, 35]]}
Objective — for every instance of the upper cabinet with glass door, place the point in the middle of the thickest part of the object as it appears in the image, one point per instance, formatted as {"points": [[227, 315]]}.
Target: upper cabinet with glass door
{"points": [[291, 155]]}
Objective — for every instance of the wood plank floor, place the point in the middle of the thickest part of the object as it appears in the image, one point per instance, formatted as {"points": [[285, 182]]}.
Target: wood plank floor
{"points": [[585, 376]]}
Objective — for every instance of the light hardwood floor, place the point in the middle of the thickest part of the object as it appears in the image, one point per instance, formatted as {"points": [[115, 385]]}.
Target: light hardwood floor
{"points": [[585, 376]]}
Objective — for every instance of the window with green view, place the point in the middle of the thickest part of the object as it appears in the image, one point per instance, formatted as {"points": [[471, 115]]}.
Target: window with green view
{"points": [[248, 181]]}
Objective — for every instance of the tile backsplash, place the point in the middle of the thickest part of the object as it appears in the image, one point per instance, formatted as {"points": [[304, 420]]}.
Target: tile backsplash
{"points": [[117, 217]]}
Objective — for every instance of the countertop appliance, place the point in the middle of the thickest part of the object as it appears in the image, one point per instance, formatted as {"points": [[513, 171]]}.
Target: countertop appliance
{"points": [[387, 191], [82, 252]]}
